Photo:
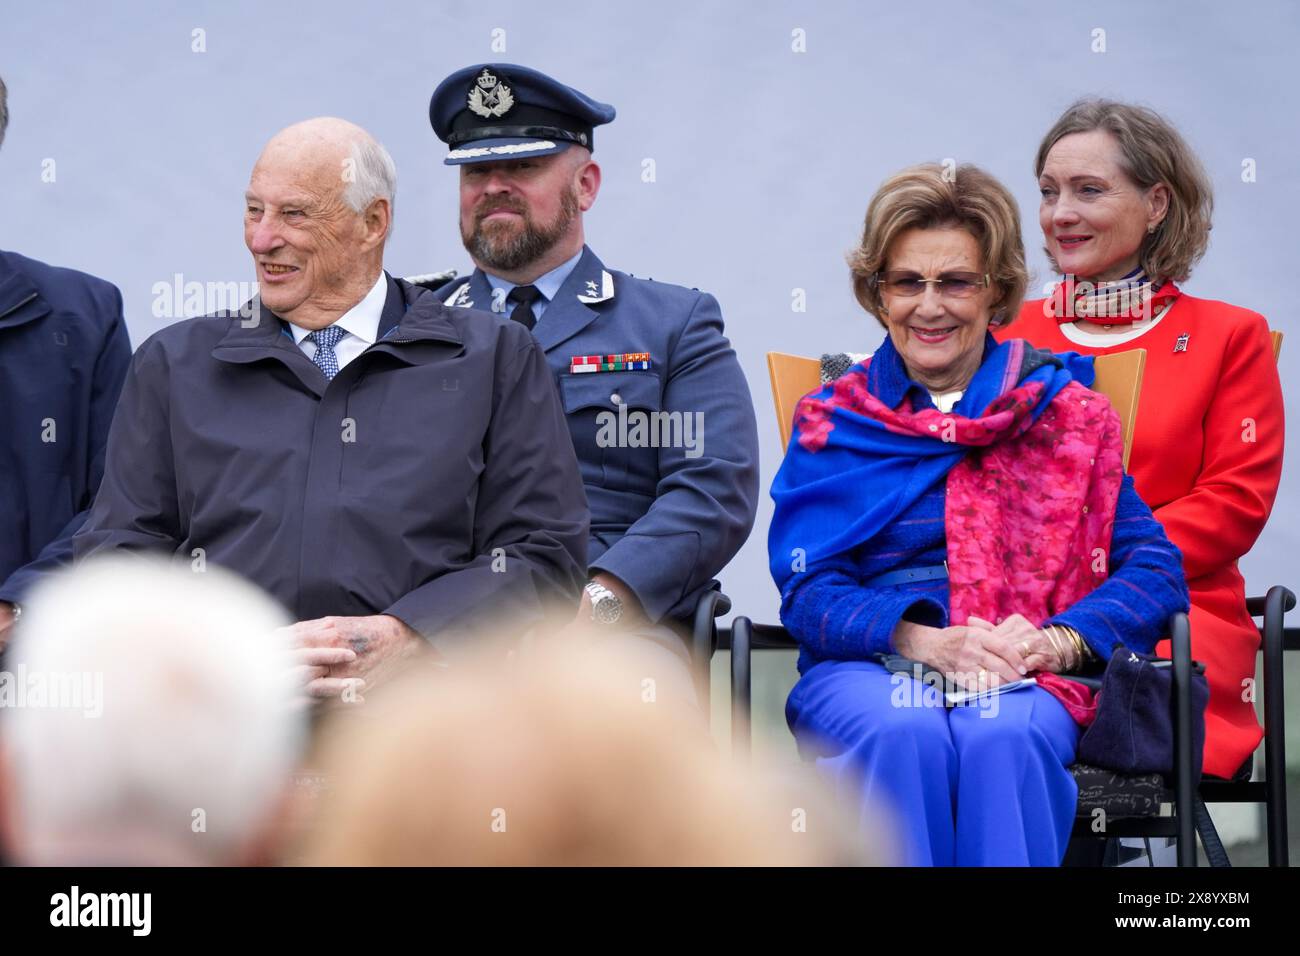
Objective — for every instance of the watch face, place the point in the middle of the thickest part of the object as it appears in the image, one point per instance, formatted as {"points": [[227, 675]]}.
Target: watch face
{"points": [[607, 610]]}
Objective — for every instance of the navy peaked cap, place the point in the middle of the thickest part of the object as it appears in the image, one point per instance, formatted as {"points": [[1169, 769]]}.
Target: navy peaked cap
{"points": [[496, 111]]}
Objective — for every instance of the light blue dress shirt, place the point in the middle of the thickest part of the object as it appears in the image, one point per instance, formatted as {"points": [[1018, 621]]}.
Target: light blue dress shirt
{"points": [[547, 285]]}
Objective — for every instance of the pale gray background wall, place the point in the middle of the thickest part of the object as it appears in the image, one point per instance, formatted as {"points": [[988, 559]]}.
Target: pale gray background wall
{"points": [[765, 157]]}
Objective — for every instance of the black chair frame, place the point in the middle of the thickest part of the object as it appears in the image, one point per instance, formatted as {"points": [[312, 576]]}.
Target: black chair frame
{"points": [[743, 637]]}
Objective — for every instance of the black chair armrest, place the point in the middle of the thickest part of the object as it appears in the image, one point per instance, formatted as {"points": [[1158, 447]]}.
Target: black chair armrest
{"points": [[745, 636], [704, 638], [773, 636], [1257, 606], [741, 708], [1276, 640], [1180, 639]]}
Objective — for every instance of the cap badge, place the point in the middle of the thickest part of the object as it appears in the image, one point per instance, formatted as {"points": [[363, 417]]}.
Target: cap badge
{"points": [[489, 97]]}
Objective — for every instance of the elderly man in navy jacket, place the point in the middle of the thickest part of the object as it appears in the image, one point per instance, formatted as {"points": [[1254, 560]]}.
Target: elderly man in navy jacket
{"points": [[383, 465], [657, 404], [63, 356]]}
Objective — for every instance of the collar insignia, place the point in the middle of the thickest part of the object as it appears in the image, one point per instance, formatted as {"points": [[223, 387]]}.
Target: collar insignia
{"points": [[459, 298], [592, 295]]}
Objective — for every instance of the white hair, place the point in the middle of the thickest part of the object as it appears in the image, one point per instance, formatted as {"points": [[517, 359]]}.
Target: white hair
{"points": [[374, 175], [195, 741]]}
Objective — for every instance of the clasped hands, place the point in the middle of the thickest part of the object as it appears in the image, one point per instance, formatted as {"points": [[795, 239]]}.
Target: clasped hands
{"points": [[981, 652], [340, 656]]}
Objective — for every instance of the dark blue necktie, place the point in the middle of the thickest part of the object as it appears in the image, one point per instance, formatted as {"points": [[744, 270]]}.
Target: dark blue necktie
{"points": [[523, 297]]}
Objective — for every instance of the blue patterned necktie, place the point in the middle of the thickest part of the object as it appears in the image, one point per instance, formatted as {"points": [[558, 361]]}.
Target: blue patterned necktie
{"points": [[325, 340]]}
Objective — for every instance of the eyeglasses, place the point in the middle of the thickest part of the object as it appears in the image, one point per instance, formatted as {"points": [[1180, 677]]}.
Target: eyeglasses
{"points": [[951, 285]]}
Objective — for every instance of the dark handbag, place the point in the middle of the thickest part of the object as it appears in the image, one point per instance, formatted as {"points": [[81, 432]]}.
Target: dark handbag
{"points": [[1134, 729]]}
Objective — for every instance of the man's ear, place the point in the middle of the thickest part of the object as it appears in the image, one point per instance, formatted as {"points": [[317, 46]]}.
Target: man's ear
{"points": [[587, 183], [378, 219]]}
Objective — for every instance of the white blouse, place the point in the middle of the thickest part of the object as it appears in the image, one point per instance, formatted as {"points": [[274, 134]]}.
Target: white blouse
{"points": [[944, 401], [1099, 340]]}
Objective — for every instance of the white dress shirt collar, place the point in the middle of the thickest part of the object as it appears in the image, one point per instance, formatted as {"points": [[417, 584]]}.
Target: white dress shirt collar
{"points": [[362, 320]]}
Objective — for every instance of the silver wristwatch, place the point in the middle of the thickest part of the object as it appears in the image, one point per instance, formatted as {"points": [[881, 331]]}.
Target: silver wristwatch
{"points": [[606, 608]]}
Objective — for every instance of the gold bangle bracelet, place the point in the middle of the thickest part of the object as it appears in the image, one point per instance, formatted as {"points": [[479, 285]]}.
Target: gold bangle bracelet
{"points": [[1080, 645], [1051, 639], [1073, 662], [1073, 640], [1077, 657], [1054, 636]]}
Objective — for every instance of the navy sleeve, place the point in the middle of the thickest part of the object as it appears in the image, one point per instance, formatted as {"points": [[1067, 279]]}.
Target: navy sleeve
{"points": [[136, 508], [531, 522], [705, 502], [111, 365], [829, 612], [1146, 585]]}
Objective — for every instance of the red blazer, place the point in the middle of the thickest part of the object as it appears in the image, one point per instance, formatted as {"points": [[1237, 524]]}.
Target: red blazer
{"points": [[1207, 457]]}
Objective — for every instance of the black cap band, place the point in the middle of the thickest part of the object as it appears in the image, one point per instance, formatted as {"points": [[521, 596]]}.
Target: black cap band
{"points": [[524, 121], [582, 137]]}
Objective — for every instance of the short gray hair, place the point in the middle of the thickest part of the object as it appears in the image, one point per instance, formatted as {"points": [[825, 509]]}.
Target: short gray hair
{"points": [[374, 175], [4, 109]]}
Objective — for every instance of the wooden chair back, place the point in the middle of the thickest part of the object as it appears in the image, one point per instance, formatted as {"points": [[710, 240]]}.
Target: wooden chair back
{"points": [[1119, 378]]}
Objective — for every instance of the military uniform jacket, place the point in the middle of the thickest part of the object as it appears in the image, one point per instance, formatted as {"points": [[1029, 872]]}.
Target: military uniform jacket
{"points": [[432, 479], [665, 518]]}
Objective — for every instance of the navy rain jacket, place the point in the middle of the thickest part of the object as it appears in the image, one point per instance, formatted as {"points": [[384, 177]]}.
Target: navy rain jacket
{"points": [[64, 352], [432, 479]]}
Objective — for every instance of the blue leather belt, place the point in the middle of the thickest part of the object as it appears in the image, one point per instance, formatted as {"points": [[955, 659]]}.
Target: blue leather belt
{"points": [[908, 576]]}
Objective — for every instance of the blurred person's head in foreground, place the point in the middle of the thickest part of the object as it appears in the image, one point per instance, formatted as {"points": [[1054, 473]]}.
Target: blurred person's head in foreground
{"points": [[164, 734], [556, 760]]}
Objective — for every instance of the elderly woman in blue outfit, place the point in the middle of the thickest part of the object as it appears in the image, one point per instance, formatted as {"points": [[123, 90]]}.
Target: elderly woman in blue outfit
{"points": [[959, 503]]}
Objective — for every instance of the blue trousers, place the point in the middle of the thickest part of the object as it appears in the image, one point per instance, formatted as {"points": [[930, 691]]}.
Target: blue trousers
{"points": [[978, 785]]}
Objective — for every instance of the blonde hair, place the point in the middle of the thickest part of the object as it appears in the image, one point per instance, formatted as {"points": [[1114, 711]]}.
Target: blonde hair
{"points": [[931, 196], [556, 759], [1151, 151]]}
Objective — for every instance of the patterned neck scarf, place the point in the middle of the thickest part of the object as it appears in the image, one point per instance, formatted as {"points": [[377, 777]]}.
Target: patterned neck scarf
{"points": [[855, 463], [1133, 298], [1031, 484]]}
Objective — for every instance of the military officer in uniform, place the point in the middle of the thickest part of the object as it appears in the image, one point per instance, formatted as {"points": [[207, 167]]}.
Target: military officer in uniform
{"points": [[657, 404]]}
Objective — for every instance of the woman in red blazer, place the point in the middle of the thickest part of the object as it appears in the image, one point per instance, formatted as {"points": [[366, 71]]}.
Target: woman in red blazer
{"points": [[1125, 213]]}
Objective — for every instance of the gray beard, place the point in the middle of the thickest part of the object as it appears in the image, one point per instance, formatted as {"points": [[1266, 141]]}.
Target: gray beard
{"points": [[509, 253]]}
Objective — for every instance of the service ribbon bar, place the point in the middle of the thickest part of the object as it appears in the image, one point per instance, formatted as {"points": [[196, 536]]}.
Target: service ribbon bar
{"points": [[616, 362]]}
